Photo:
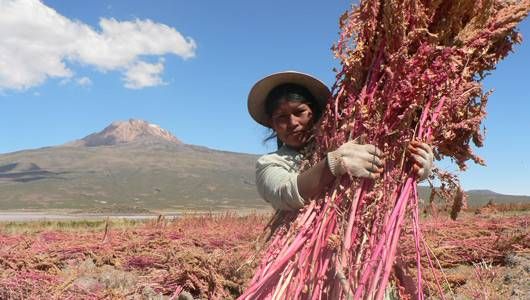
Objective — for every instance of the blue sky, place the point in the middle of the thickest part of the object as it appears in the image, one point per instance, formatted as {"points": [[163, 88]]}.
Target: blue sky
{"points": [[77, 77]]}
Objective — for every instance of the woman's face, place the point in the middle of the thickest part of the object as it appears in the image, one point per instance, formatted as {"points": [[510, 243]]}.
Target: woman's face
{"points": [[293, 122]]}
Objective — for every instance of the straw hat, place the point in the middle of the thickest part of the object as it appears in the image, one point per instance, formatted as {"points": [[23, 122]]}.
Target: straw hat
{"points": [[260, 90]]}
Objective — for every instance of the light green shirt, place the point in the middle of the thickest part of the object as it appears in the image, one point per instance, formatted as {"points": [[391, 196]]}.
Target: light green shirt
{"points": [[276, 178]]}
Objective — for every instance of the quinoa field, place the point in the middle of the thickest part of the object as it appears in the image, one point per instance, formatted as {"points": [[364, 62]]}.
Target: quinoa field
{"points": [[481, 255]]}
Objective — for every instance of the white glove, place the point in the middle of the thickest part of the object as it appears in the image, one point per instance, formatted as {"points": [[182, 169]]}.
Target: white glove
{"points": [[357, 160], [423, 159]]}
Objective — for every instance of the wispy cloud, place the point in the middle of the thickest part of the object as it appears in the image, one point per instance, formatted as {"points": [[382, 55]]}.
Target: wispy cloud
{"points": [[84, 81], [37, 43]]}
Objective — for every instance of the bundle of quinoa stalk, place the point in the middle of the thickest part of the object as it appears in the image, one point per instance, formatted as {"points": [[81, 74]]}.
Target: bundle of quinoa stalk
{"points": [[411, 70]]}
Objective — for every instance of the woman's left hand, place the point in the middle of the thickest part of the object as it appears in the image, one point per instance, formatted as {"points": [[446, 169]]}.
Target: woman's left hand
{"points": [[422, 158]]}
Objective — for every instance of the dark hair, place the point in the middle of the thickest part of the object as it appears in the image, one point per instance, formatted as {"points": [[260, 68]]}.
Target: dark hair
{"points": [[289, 92]]}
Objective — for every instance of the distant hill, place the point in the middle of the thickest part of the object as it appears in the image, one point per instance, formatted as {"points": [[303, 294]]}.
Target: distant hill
{"points": [[133, 166], [483, 192], [478, 198]]}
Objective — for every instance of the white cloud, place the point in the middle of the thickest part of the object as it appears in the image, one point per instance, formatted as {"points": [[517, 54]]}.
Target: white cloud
{"points": [[84, 81], [144, 74], [37, 43]]}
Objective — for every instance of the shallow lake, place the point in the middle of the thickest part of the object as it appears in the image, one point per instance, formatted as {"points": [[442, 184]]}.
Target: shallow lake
{"points": [[43, 216]]}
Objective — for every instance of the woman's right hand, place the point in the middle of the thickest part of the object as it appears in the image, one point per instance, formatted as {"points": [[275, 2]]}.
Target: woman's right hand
{"points": [[357, 160]]}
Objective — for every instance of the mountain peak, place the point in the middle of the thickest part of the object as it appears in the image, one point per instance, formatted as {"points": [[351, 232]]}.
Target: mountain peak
{"points": [[124, 132]]}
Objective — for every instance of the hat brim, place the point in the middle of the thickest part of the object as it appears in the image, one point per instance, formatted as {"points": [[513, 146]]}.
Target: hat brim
{"points": [[259, 92]]}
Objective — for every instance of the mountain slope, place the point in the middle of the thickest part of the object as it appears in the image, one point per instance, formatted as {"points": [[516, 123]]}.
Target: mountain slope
{"points": [[147, 171]]}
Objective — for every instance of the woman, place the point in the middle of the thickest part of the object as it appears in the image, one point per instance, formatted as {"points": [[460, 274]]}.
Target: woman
{"points": [[290, 103]]}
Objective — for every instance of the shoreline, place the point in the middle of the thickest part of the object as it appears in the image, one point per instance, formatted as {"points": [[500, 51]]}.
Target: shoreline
{"points": [[76, 215], [54, 216]]}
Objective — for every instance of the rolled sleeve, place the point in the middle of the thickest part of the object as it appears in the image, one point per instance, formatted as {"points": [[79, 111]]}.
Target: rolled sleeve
{"points": [[277, 184]]}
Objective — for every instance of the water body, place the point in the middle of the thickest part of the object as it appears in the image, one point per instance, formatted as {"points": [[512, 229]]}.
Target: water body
{"points": [[43, 216]]}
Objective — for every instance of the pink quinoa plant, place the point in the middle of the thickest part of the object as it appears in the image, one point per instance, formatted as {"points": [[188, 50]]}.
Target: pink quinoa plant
{"points": [[410, 70]]}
